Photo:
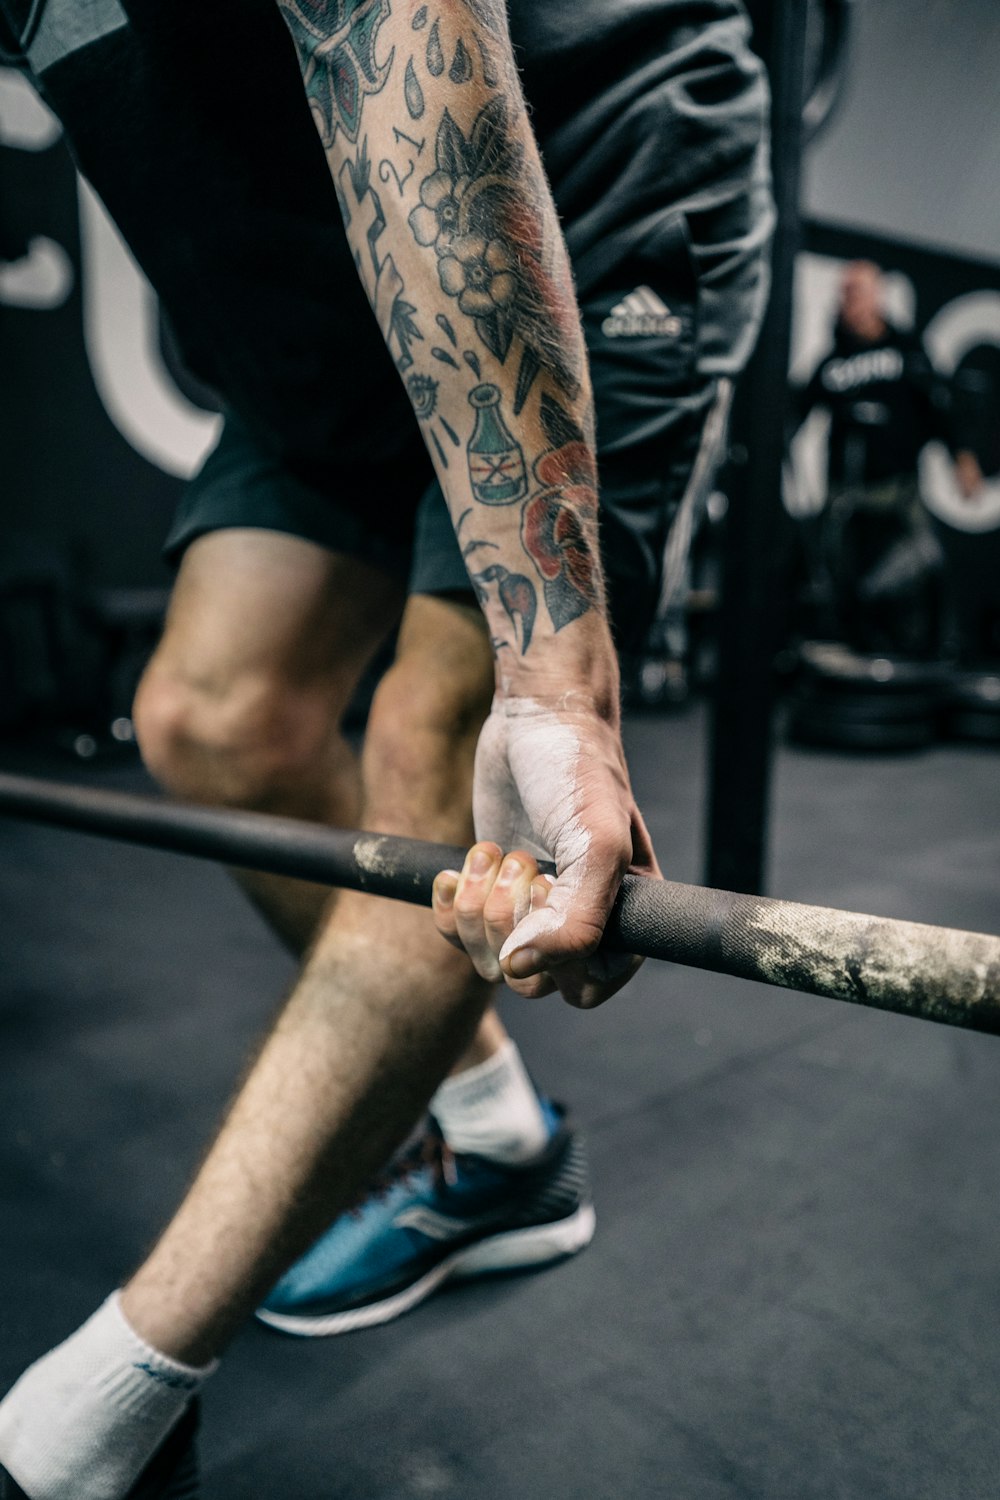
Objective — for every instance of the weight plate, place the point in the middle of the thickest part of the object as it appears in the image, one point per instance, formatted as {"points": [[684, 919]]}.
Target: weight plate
{"points": [[813, 726], [967, 724], [838, 666], [870, 708], [979, 691]]}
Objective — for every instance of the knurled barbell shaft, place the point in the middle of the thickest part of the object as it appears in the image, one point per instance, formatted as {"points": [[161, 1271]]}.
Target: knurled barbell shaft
{"points": [[908, 967]]}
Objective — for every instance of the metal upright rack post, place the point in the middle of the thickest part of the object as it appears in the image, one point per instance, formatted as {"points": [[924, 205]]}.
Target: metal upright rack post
{"points": [[742, 715]]}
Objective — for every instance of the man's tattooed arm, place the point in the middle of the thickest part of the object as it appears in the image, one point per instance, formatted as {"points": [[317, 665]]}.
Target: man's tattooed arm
{"points": [[456, 240], [457, 243]]}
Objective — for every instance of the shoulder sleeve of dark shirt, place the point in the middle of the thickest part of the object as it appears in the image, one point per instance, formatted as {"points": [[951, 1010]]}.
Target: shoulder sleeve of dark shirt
{"points": [[930, 390]]}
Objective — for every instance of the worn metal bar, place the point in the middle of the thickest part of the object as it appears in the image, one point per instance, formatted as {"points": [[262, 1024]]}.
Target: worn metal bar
{"points": [[917, 970]]}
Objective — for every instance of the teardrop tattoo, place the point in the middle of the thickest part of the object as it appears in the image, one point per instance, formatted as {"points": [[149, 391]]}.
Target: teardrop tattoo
{"points": [[461, 64], [435, 53], [412, 92]]}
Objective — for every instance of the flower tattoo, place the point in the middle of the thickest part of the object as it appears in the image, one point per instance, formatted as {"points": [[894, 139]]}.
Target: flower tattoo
{"points": [[436, 220], [477, 211], [480, 274]]}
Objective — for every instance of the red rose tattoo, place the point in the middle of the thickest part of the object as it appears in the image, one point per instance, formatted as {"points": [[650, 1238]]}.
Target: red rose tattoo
{"points": [[559, 525]]}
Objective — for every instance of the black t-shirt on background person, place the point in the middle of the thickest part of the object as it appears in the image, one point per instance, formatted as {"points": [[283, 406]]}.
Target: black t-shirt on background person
{"points": [[885, 402]]}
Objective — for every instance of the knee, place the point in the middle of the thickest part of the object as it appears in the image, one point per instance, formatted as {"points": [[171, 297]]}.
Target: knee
{"points": [[429, 707], [246, 743], [420, 744]]}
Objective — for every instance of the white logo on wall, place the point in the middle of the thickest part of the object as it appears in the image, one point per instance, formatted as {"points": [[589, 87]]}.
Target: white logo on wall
{"points": [[960, 326], [120, 318], [44, 277]]}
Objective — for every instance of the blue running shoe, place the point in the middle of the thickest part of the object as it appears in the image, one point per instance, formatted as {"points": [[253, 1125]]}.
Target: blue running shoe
{"points": [[434, 1217]]}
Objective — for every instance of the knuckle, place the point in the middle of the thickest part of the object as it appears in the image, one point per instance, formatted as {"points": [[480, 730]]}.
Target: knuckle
{"points": [[531, 989], [468, 906], [581, 940], [497, 909]]}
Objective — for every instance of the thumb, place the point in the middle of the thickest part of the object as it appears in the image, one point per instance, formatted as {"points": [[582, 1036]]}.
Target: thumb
{"points": [[571, 923]]}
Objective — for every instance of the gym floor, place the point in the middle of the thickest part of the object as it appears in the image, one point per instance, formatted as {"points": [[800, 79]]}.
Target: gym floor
{"points": [[794, 1293]]}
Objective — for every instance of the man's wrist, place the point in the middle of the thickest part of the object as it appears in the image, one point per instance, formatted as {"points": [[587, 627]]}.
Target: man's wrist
{"points": [[573, 670]]}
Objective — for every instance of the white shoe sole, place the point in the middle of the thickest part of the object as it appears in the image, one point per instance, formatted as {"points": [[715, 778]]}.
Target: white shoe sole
{"points": [[516, 1250]]}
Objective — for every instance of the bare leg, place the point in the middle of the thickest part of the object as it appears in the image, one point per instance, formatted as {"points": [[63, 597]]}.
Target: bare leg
{"points": [[266, 640], [367, 1035]]}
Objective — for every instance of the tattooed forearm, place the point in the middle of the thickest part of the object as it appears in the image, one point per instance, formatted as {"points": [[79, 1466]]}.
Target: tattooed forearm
{"points": [[457, 244]]}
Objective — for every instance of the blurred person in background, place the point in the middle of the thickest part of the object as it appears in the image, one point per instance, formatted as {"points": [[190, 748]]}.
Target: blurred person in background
{"points": [[881, 559]]}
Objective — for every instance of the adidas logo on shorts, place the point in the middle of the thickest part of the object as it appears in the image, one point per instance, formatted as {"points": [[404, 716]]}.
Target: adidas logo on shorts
{"points": [[641, 313]]}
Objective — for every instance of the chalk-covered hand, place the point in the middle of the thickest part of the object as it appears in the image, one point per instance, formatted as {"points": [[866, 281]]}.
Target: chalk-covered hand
{"points": [[550, 782]]}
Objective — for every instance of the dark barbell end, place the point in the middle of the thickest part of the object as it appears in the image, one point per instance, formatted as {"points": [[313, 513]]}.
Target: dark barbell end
{"points": [[910, 968]]}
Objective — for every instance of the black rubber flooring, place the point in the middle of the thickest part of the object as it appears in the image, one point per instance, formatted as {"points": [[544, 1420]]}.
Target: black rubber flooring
{"points": [[793, 1293]]}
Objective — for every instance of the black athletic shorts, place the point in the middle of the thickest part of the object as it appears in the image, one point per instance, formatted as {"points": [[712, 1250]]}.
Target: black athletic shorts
{"points": [[655, 389], [652, 404], [191, 123]]}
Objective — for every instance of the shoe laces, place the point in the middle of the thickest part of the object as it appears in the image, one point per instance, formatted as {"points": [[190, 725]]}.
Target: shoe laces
{"points": [[429, 1151]]}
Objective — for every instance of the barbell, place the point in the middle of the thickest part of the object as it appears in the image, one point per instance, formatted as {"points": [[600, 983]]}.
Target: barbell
{"points": [[912, 968]]}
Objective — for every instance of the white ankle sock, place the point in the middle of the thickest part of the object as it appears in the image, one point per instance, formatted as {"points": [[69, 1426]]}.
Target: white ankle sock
{"points": [[492, 1109], [83, 1421]]}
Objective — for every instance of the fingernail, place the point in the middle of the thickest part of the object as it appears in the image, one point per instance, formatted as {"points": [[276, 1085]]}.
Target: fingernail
{"points": [[445, 886], [509, 871], [540, 922], [479, 863], [524, 963]]}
